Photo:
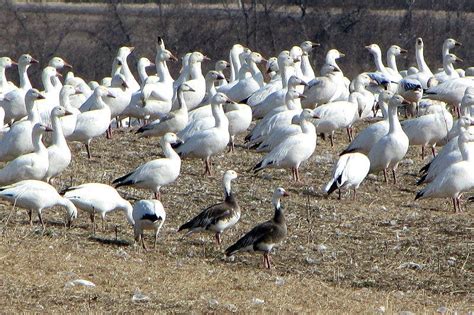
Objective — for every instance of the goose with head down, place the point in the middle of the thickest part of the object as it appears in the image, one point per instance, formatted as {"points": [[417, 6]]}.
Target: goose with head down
{"points": [[148, 215], [219, 217]]}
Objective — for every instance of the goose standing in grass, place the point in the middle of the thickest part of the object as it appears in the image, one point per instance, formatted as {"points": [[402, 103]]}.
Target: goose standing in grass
{"points": [[59, 154], [14, 102], [206, 143], [174, 122], [240, 118], [98, 198], [349, 172], [391, 148], [28, 166], [264, 236], [148, 215], [219, 217], [17, 140], [156, 173], [325, 89], [294, 150], [35, 195], [93, 123], [455, 178]]}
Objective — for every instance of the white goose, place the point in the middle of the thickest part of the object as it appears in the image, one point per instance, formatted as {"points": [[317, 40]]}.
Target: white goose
{"points": [[148, 215], [391, 148], [456, 178], [122, 55], [28, 166], [376, 52], [450, 92], [51, 100], [5, 86], [211, 77], [14, 102], [448, 44], [325, 89], [98, 198], [364, 141], [220, 66], [68, 123], [35, 195], [156, 173], [58, 63], [392, 54], [206, 143], [450, 153], [448, 66], [59, 154], [174, 122], [142, 64], [294, 150], [349, 172], [240, 118], [428, 130], [235, 64], [274, 85], [424, 73], [93, 123], [17, 140], [365, 99], [306, 67]]}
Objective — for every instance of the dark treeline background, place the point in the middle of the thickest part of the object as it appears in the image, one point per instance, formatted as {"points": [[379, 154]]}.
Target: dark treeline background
{"points": [[88, 33]]}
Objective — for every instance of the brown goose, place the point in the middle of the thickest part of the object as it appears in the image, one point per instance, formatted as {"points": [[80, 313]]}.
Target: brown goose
{"points": [[218, 217], [265, 235]]}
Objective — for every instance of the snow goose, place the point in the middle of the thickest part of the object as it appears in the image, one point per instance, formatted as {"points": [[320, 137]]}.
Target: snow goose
{"points": [[450, 92], [142, 64], [294, 150], [156, 173], [35, 195], [448, 44], [448, 155], [246, 86], [337, 115], [148, 215], [374, 49], [365, 99], [211, 77], [306, 68], [364, 141], [5, 86], [455, 178], [14, 102], [266, 235], [28, 166], [235, 64], [392, 54], [428, 130], [98, 198], [183, 72], [175, 121], [274, 85], [58, 63], [240, 118], [93, 123], [412, 91], [196, 81], [276, 118], [424, 73], [17, 140], [122, 55], [448, 66], [325, 89], [330, 61], [206, 143], [391, 148], [280, 133], [220, 66], [84, 91], [349, 171], [59, 155], [45, 106], [68, 122], [218, 217]]}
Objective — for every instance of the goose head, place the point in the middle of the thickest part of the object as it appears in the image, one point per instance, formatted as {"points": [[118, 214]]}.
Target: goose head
{"points": [[452, 58], [26, 60], [374, 49], [335, 54], [296, 52], [40, 129], [397, 100], [68, 90], [419, 43], [107, 81], [308, 114], [50, 72], [272, 65], [6, 62], [451, 43], [102, 91], [254, 57], [221, 98], [308, 45], [229, 176], [397, 50], [277, 195], [59, 111], [124, 51], [213, 75], [365, 80], [284, 59], [171, 138], [185, 88], [92, 84], [468, 98], [221, 65], [197, 57], [465, 121], [58, 63], [144, 62], [293, 81], [33, 95], [71, 211], [166, 55], [293, 94]]}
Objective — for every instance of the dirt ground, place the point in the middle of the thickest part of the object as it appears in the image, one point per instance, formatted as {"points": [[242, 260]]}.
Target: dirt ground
{"points": [[383, 252]]}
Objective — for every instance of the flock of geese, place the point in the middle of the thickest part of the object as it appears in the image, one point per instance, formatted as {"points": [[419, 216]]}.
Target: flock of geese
{"points": [[199, 116]]}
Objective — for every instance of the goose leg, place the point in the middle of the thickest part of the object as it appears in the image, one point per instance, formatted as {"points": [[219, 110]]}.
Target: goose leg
{"points": [[92, 216], [348, 129], [339, 190], [297, 172], [433, 150], [30, 215], [157, 195], [331, 137], [41, 220], [394, 174], [108, 133], [88, 150], [143, 242], [385, 175], [355, 194], [218, 238], [422, 152]]}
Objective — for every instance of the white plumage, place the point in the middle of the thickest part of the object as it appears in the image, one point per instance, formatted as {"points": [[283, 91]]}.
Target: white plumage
{"points": [[148, 215]]}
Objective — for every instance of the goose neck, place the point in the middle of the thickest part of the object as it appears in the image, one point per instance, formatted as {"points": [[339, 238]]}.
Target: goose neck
{"points": [[33, 115], [378, 61], [25, 83], [306, 66], [286, 73], [394, 123], [182, 102], [3, 77], [448, 66], [279, 216], [37, 143], [392, 61], [142, 73], [48, 85], [195, 71], [58, 135], [168, 151], [220, 117], [307, 127], [162, 71], [227, 188], [420, 60]]}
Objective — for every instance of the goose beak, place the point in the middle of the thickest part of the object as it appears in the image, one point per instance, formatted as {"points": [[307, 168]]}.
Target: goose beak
{"points": [[227, 65], [302, 96], [152, 64], [264, 60], [269, 70], [77, 91], [124, 84], [33, 60], [172, 57], [316, 116], [405, 102], [459, 59], [285, 194], [229, 101], [303, 83], [403, 51], [295, 60], [48, 129], [456, 43], [109, 94], [206, 58], [41, 96], [178, 142], [67, 113], [367, 47], [14, 63], [313, 45], [131, 48], [341, 55], [59, 74], [220, 77], [67, 65]]}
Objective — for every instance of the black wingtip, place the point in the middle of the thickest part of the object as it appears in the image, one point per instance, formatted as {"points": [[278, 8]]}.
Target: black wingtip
{"points": [[425, 168], [421, 180], [419, 194], [257, 167], [334, 186]]}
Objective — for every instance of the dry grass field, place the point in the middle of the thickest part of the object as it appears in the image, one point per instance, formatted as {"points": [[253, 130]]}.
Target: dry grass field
{"points": [[382, 253]]}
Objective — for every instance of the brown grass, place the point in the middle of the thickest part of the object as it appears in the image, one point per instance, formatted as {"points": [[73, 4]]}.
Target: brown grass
{"points": [[360, 271]]}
